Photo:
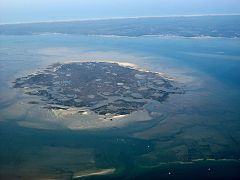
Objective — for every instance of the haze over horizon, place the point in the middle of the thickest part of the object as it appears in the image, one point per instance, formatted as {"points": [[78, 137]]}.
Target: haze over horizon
{"points": [[13, 11]]}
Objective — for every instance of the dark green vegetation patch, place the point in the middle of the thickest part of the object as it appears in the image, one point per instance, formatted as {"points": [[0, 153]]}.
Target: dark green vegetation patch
{"points": [[102, 87]]}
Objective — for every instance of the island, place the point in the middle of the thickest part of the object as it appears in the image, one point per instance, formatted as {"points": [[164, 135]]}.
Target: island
{"points": [[108, 89]]}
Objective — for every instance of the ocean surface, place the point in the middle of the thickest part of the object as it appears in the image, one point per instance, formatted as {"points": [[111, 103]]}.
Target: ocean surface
{"points": [[198, 136]]}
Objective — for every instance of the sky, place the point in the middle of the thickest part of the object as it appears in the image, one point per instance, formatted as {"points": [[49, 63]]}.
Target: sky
{"points": [[16, 11]]}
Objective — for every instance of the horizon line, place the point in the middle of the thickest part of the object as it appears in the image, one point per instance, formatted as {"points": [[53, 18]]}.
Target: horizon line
{"points": [[117, 18]]}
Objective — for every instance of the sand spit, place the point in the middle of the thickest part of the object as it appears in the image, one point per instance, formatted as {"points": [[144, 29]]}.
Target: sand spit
{"points": [[96, 173]]}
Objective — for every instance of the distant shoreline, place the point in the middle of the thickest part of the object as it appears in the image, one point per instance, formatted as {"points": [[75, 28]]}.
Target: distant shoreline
{"points": [[118, 18]]}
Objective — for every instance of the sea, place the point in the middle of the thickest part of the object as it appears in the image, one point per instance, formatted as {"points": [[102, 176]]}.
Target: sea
{"points": [[197, 138]]}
